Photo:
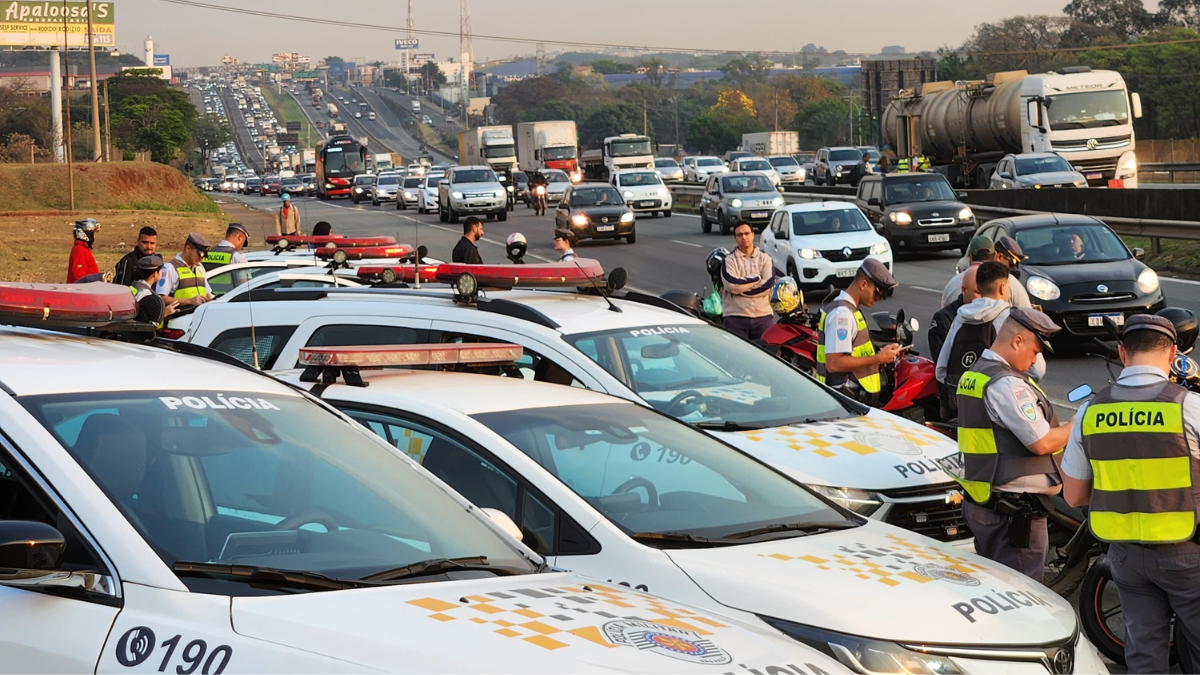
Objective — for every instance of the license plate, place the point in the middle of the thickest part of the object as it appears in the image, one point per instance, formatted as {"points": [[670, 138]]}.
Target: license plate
{"points": [[645, 204], [848, 272], [478, 205], [1093, 176], [1097, 320], [759, 214], [938, 238], [605, 228]]}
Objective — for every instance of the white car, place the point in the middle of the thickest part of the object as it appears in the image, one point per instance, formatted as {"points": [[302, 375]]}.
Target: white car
{"points": [[822, 243], [698, 169], [875, 463], [428, 202], [790, 171], [410, 192], [1035, 170], [644, 191], [613, 490], [557, 184], [756, 164], [217, 521]]}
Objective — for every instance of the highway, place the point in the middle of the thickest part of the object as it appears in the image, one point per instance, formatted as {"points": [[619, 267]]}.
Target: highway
{"points": [[250, 152]]}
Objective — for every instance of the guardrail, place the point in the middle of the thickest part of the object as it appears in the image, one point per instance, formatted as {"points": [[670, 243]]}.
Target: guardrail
{"points": [[1169, 168]]}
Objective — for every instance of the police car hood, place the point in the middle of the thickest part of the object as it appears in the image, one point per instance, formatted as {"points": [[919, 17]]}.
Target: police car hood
{"points": [[533, 623], [882, 582], [878, 451]]}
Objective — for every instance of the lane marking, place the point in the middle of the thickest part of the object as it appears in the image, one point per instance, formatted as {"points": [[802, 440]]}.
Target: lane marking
{"points": [[688, 243], [928, 290]]}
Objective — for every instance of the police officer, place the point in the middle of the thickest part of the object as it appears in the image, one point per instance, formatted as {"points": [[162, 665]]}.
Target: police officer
{"points": [[152, 308], [1007, 432], [229, 250], [1134, 455], [846, 358], [183, 278], [902, 165]]}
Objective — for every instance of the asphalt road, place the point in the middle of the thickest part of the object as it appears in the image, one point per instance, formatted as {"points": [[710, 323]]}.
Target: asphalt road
{"points": [[251, 154]]}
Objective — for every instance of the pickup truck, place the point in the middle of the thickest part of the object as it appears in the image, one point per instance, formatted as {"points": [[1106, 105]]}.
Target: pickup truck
{"points": [[471, 191]]}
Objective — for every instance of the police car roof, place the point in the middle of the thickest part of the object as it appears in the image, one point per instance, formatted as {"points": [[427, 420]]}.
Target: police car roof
{"points": [[467, 393], [34, 362]]}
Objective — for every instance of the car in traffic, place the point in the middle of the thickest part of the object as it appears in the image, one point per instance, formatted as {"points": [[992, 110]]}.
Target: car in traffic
{"points": [[270, 185], [698, 169], [224, 528], [310, 183], [916, 211], [732, 198], [409, 192], [292, 186], [733, 155], [757, 164], [596, 211], [822, 243], [1035, 170], [521, 186], [836, 165], [643, 191], [789, 170], [557, 183], [668, 169], [428, 202], [471, 191], [386, 188], [807, 161], [1079, 272]]}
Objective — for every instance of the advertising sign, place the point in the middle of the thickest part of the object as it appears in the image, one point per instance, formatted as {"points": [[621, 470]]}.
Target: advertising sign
{"points": [[408, 43], [287, 139], [293, 126], [24, 23], [162, 59]]}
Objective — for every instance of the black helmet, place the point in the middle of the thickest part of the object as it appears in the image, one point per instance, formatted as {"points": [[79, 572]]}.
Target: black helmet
{"points": [[1186, 326], [685, 299], [715, 261]]}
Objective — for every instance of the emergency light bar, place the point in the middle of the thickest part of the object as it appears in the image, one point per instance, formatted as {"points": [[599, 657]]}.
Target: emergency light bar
{"points": [[78, 305], [405, 273], [392, 250], [580, 272], [409, 355], [304, 240]]}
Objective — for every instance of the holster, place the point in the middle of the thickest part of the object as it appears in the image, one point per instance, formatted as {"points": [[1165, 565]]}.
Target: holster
{"points": [[1022, 510]]}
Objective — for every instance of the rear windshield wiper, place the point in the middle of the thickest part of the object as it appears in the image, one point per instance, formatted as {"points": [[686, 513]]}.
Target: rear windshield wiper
{"points": [[678, 540], [267, 576], [437, 566], [806, 528]]}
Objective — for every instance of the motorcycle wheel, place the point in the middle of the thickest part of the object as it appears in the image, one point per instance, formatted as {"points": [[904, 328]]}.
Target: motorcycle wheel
{"points": [[1100, 611]]}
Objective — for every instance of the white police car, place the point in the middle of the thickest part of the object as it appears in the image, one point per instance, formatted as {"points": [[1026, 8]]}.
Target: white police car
{"points": [[167, 513], [872, 462], [618, 491]]}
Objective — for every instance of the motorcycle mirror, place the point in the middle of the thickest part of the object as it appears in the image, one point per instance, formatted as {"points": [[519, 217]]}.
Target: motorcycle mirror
{"points": [[1079, 393], [422, 251], [617, 279], [914, 325]]}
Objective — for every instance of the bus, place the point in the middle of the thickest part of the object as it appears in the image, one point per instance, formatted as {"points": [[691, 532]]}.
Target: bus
{"points": [[339, 160]]}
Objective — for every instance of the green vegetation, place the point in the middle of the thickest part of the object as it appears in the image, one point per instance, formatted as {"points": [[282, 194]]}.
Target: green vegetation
{"points": [[1178, 257], [288, 110], [122, 186]]}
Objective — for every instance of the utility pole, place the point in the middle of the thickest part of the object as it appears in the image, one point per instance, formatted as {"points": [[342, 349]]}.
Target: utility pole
{"points": [[408, 53], [675, 100], [466, 47], [67, 102], [107, 126], [645, 120], [776, 108], [97, 151]]}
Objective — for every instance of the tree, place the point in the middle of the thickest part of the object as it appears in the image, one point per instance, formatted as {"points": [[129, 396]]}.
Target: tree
{"points": [[716, 131], [330, 60], [734, 102], [892, 49], [1025, 42], [148, 123], [752, 68], [611, 67], [432, 76], [953, 67], [209, 133], [1127, 18], [822, 123], [611, 120], [524, 96], [1184, 13]]}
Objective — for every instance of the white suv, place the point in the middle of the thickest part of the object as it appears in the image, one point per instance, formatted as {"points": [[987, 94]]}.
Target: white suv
{"points": [[822, 243], [644, 191], [471, 191]]}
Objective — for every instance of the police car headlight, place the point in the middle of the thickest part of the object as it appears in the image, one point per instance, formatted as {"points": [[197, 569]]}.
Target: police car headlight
{"points": [[1042, 288], [880, 248], [965, 214], [864, 655], [809, 253], [1148, 280], [900, 217], [862, 502]]}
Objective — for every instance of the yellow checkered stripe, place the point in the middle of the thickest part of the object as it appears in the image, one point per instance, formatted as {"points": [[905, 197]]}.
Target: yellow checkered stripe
{"points": [[816, 438], [889, 568]]}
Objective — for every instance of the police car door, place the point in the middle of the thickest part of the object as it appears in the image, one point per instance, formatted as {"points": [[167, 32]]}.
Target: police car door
{"points": [[535, 350]]}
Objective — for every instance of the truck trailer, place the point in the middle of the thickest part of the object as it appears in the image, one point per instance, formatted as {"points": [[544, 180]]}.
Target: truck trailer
{"points": [[548, 145], [331, 109], [492, 146], [767, 143]]}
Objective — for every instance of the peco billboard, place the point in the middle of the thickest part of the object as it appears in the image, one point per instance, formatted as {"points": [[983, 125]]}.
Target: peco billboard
{"points": [[40, 24]]}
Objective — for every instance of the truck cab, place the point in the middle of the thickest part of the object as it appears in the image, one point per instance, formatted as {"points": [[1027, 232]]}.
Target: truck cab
{"points": [[627, 151]]}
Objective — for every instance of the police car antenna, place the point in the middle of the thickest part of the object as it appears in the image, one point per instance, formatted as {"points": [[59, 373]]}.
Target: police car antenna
{"points": [[253, 336], [601, 288]]}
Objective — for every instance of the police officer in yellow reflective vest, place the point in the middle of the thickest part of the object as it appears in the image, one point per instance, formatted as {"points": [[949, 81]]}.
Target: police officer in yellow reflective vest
{"points": [[229, 250], [1134, 453], [183, 278], [846, 359], [922, 163], [152, 308], [902, 165], [1007, 434]]}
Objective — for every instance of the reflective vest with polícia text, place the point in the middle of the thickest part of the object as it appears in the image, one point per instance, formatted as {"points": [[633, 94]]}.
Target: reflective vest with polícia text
{"points": [[191, 282]]}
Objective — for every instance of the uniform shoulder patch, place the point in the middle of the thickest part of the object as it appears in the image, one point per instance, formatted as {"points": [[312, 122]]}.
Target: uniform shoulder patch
{"points": [[1029, 411]]}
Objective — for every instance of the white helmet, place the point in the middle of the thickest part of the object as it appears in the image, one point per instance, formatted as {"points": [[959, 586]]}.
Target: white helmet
{"points": [[516, 246]]}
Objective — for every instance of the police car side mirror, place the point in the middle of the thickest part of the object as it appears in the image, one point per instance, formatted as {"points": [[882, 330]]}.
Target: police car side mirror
{"points": [[1079, 393], [503, 522], [30, 545], [617, 279]]}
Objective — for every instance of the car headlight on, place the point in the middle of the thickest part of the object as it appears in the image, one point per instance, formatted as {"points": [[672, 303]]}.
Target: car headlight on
{"points": [[1081, 183], [650, 165], [1148, 280], [409, 195], [862, 502], [456, 195], [965, 214], [358, 190], [499, 193], [627, 217], [627, 194], [864, 655], [1042, 288], [1129, 165], [809, 253], [576, 177], [736, 203], [579, 219], [880, 248], [663, 192], [900, 217], [510, 188], [778, 201]]}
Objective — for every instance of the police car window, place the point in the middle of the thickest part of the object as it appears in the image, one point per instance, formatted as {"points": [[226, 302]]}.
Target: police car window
{"points": [[20, 499], [704, 375], [222, 282], [648, 473], [342, 335], [262, 478], [531, 365], [268, 339]]}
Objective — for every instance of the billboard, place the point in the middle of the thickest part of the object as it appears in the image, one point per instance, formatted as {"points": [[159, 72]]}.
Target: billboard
{"points": [[162, 59], [287, 139], [408, 43], [24, 23], [293, 126]]}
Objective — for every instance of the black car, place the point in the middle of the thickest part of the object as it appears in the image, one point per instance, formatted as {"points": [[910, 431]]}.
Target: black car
{"points": [[1078, 271], [916, 211], [253, 185], [595, 211]]}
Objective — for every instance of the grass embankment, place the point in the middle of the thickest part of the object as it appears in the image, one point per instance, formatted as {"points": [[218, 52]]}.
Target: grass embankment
{"points": [[122, 186], [1178, 257], [286, 110]]}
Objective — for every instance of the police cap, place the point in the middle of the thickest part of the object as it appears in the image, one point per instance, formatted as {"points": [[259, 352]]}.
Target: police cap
{"points": [[237, 227], [198, 241], [878, 273], [1152, 322], [1007, 244], [153, 261], [1037, 323], [564, 234]]}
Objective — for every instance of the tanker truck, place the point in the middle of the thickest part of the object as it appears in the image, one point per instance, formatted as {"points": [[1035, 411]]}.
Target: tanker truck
{"points": [[966, 128]]}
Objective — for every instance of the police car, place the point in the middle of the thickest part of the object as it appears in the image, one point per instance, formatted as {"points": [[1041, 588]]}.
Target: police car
{"points": [[871, 462], [621, 492], [166, 513]]}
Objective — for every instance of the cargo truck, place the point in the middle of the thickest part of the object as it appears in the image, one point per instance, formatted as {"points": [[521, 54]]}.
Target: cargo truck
{"points": [[309, 159], [767, 143], [966, 128], [548, 145], [627, 151], [338, 127], [387, 160], [492, 146], [416, 105], [331, 109]]}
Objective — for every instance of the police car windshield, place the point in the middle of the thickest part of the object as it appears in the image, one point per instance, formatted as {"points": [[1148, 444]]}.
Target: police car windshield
{"points": [[647, 473], [260, 479], [731, 382]]}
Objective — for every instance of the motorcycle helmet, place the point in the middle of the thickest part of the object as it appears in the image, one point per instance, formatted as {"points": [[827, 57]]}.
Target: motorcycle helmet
{"points": [[715, 261], [516, 246], [85, 230], [1186, 326], [685, 299], [785, 296]]}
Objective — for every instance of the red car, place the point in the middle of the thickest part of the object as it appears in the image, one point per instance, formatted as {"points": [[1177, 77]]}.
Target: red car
{"points": [[320, 125], [270, 186]]}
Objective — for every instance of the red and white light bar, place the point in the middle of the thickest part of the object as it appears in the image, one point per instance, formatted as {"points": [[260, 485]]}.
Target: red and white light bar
{"points": [[409, 355], [393, 250], [580, 272], [304, 240], [334, 239], [405, 273], [94, 304]]}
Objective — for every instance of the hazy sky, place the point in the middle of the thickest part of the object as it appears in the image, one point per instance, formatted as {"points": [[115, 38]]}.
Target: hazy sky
{"points": [[195, 37]]}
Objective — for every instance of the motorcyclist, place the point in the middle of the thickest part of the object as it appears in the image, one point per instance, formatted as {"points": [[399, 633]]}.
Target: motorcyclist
{"points": [[537, 179], [81, 261], [510, 186]]}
